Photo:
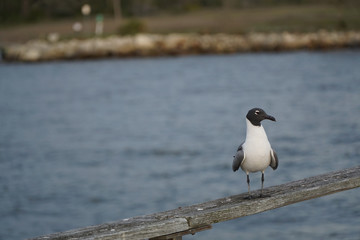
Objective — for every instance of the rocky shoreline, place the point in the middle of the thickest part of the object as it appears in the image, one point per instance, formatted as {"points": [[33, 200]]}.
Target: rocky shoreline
{"points": [[177, 44]]}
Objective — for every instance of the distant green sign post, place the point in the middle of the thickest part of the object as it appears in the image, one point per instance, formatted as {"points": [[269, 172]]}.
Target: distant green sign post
{"points": [[99, 26]]}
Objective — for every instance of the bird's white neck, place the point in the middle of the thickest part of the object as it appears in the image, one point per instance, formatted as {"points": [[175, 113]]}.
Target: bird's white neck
{"points": [[255, 132]]}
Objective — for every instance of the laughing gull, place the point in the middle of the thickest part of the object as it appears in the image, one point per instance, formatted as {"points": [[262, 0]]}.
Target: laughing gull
{"points": [[255, 154]]}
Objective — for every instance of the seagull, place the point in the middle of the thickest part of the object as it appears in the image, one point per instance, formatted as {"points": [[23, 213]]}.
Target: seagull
{"points": [[255, 153]]}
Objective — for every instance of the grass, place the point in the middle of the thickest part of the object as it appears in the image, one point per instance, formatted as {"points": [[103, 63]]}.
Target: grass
{"points": [[305, 18]]}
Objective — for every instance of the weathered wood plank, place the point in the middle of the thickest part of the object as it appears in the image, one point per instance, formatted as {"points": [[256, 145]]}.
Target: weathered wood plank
{"points": [[178, 235], [183, 219], [142, 227]]}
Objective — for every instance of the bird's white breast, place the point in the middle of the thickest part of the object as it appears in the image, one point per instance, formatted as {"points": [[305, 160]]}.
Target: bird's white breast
{"points": [[256, 148]]}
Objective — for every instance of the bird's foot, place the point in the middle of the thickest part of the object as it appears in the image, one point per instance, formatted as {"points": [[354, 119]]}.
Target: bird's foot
{"points": [[264, 195], [249, 197]]}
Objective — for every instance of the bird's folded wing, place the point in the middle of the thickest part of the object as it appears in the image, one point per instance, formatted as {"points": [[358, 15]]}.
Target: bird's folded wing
{"points": [[274, 163], [238, 159]]}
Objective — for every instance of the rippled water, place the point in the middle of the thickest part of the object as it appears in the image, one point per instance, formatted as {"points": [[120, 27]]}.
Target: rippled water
{"points": [[88, 142]]}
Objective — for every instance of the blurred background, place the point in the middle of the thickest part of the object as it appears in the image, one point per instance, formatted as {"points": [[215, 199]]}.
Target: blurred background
{"points": [[21, 20], [85, 142]]}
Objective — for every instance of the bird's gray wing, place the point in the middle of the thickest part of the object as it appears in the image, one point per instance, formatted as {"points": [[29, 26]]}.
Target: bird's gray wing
{"points": [[238, 158], [274, 163], [240, 147]]}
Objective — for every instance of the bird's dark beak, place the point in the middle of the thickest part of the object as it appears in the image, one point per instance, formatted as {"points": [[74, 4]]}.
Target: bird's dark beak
{"points": [[270, 118]]}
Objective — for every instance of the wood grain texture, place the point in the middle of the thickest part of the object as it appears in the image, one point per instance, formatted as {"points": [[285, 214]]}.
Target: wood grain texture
{"points": [[186, 218]]}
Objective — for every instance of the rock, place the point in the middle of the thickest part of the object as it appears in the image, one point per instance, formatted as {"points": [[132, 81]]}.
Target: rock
{"points": [[175, 43], [121, 46], [33, 51], [31, 55], [144, 42]]}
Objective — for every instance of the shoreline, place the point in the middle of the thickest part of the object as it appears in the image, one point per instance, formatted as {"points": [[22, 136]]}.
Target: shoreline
{"points": [[151, 45]]}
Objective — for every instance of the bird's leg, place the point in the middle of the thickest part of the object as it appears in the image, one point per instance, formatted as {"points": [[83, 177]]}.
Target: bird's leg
{"points": [[262, 186], [248, 182], [262, 183]]}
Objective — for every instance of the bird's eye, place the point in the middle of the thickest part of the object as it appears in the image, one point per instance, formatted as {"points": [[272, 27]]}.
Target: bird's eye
{"points": [[257, 112]]}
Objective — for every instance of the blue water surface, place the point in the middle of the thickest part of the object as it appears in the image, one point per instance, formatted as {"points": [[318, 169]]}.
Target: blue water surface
{"points": [[89, 142]]}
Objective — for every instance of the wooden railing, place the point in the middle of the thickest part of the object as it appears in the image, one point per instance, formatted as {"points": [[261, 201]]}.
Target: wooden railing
{"points": [[173, 224]]}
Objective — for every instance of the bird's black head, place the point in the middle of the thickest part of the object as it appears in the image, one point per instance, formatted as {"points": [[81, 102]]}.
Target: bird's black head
{"points": [[256, 115]]}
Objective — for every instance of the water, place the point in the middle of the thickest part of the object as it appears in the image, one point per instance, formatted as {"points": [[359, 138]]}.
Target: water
{"points": [[88, 142]]}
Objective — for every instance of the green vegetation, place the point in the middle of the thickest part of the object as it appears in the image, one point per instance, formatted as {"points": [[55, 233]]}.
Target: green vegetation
{"points": [[132, 27]]}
